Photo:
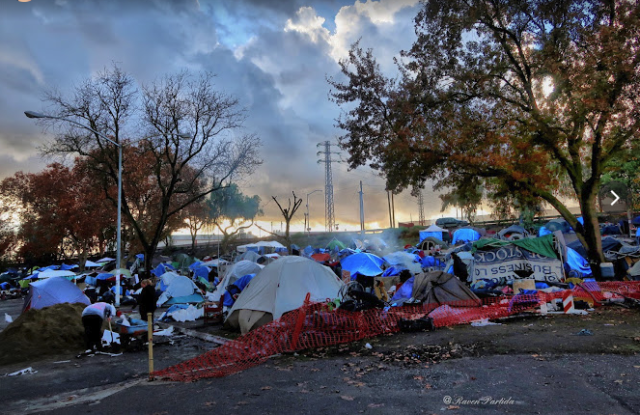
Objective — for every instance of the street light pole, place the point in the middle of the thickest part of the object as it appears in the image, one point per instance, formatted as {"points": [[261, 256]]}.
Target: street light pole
{"points": [[309, 217], [32, 114]]}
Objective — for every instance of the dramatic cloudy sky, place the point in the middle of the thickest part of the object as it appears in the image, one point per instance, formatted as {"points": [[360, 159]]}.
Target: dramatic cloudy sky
{"points": [[273, 55]]}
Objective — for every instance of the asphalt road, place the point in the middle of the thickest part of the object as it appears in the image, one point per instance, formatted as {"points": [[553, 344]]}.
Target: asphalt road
{"points": [[533, 366]]}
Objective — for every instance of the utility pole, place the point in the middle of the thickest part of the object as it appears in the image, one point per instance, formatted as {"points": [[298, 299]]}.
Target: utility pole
{"points": [[361, 213], [421, 209], [389, 202], [393, 209], [329, 216]]}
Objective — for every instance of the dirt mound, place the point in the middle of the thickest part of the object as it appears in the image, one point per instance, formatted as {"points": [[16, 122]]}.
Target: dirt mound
{"points": [[37, 333]]}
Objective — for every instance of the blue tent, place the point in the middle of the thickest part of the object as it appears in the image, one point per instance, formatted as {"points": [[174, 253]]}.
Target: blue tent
{"points": [[577, 263], [543, 231], [52, 291], [636, 221], [465, 235], [434, 231], [363, 263]]}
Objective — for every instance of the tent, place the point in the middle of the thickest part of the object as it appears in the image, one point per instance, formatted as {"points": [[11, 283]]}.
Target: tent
{"points": [[161, 269], [262, 247], [248, 256], [465, 235], [363, 263], [52, 291], [91, 264], [235, 272], [513, 232], [433, 231], [321, 257], [438, 287], [431, 242], [279, 288], [335, 243], [179, 287]]}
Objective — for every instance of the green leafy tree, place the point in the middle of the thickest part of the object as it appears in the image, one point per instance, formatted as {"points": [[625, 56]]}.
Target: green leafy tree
{"points": [[232, 212], [536, 96]]}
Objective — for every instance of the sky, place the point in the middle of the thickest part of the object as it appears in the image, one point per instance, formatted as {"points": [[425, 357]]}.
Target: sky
{"points": [[274, 56]]}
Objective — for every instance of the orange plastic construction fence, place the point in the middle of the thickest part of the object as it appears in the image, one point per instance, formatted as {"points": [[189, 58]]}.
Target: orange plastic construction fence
{"points": [[314, 325]]}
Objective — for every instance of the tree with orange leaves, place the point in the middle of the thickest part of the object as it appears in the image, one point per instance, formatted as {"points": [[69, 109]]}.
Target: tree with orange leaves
{"points": [[530, 99], [62, 213]]}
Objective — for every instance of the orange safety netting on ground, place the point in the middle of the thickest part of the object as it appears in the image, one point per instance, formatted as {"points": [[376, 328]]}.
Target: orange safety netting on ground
{"points": [[314, 325]]}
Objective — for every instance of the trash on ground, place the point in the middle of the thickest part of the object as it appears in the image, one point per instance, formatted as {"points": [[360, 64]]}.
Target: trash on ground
{"points": [[8, 318], [484, 322], [584, 332], [27, 371]]}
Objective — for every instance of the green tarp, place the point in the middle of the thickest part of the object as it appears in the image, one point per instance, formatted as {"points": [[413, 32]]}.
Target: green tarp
{"points": [[334, 242], [542, 245]]}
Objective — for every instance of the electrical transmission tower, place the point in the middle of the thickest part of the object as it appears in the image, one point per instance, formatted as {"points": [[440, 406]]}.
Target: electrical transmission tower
{"points": [[329, 215], [421, 209]]}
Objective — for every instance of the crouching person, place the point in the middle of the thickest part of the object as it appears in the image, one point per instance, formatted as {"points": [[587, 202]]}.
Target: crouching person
{"points": [[92, 318]]}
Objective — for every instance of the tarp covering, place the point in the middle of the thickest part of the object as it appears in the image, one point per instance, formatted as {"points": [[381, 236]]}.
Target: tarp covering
{"points": [[406, 260], [542, 245], [524, 258], [465, 235], [608, 244], [281, 287], [438, 287], [363, 263], [321, 257], [161, 269], [54, 290], [577, 263], [55, 273], [250, 256]]}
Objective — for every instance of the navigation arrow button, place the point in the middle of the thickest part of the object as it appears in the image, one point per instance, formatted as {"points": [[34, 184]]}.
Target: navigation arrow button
{"points": [[617, 198]]}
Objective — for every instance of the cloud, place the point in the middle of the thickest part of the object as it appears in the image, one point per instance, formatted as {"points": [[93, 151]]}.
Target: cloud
{"points": [[273, 56]]}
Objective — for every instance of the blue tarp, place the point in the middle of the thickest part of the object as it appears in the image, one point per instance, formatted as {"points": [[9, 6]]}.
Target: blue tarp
{"points": [[202, 271], [429, 261], [465, 235], [577, 263], [608, 244], [544, 231], [611, 230], [161, 269], [424, 235], [405, 290], [65, 267], [363, 263], [392, 271], [236, 288], [140, 257], [193, 298], [50, 267], [195, 265], [104, 276], [636, 221], [308, 251]]}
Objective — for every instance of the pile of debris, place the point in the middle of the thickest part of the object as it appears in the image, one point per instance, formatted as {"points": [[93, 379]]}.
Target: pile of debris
{"points": [[38, 333]]}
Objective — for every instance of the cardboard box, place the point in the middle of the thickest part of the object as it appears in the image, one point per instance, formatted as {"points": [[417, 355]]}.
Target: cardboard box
{"points": [[528, 284]]}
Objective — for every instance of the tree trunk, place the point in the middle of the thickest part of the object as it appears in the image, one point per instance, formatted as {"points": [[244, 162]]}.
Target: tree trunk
{"points": [[591, 237]]}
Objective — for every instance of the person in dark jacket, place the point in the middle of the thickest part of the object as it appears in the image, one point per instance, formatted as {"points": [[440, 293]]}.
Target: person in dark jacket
{"points": [[147, 299]]}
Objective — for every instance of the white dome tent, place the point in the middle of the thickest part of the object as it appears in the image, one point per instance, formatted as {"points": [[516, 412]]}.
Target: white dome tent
{"points": [[281, 287]]}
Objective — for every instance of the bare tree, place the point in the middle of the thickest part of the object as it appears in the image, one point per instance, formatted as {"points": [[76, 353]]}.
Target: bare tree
{"points": [[182, 129], [288, 214]]}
